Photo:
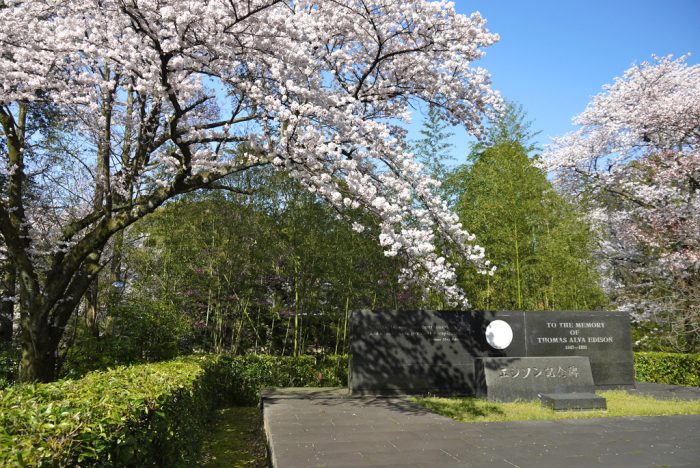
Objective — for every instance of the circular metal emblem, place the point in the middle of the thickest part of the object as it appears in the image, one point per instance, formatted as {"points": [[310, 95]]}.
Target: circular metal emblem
{"points": [[499, 335]]}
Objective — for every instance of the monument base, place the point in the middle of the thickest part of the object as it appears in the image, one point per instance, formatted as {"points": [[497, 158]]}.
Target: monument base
{"points": [[526, 378], [573, 401]]}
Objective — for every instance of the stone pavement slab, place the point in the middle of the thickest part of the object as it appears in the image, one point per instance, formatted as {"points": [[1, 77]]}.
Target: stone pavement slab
{"points": [[330, 428], [666, 392]]}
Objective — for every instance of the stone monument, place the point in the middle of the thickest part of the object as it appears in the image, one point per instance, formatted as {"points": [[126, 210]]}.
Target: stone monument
{"points": [[455, 353]]}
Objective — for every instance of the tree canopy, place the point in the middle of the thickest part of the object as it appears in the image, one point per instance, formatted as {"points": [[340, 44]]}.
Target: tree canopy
{"points": [[110, 109], [635, 161], [538, 241]]}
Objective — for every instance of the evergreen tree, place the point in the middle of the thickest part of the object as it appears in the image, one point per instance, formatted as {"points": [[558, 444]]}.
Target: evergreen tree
{"points": [[511, 126], [536, 238], [433, 149]]}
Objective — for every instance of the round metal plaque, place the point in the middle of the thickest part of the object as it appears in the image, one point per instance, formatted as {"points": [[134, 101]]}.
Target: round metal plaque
{"points": [[499, 335]]}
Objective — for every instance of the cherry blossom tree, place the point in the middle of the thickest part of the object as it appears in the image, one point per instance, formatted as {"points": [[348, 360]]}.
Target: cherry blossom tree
{"points": [[110, 108], [636, 159]]}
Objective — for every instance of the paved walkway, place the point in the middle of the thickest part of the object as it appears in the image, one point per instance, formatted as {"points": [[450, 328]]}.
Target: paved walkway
{"points": [[325, 427]]}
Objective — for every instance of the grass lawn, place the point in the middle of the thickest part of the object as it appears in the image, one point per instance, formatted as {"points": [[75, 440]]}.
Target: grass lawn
{"points": [[619, 402], [236, 439]]}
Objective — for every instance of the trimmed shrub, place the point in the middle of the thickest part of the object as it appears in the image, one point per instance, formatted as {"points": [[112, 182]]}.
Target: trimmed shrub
{"points": [[136, 334], [146, 414], [156, 414], [668, 368], [149, 414], [245, 376]]}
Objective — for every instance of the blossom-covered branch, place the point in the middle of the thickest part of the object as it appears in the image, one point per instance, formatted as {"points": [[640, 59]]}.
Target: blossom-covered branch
{"points": [[636, 158], [110, 109]]}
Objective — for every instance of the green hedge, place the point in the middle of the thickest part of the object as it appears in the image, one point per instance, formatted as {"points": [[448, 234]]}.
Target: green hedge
{"points": [[245, 376], [147, 414], [668, 368], [150, 414], [155, 414]]}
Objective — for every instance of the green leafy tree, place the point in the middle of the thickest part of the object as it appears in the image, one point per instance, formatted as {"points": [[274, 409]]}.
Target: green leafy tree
{"points": [[510, 126], [537, 239], [433, 148], [272, 272]]}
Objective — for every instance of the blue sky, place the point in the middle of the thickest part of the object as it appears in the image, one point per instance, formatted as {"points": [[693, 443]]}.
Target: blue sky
{"points": [[554, 56]]}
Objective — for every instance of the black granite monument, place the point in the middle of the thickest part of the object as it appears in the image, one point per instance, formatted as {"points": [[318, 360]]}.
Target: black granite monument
{"points": [[421, 352], [527, 378]]}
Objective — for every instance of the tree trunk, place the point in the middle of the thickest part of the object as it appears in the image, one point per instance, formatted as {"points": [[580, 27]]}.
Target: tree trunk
{"points": [[43, 322], [51, 290], [39, 351], [7, 306], [38, 363], [91, 319], [117, 279]]}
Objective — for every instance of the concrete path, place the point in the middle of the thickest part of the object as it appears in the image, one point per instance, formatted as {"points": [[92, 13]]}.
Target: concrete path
{"points": [[325, 427]]}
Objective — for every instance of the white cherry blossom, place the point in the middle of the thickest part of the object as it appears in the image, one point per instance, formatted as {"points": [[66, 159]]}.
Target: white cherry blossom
{"points": [[149, 99], [636, 155]]}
